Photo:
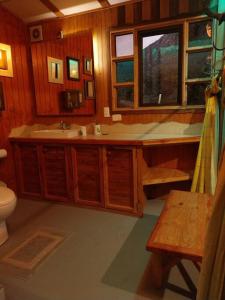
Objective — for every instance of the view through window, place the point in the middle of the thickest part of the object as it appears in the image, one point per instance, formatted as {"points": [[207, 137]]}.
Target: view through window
{"points": [[160, 68]]}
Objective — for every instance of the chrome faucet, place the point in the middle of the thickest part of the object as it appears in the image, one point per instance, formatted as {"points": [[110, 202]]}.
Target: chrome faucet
{"points": [[63, 125]]}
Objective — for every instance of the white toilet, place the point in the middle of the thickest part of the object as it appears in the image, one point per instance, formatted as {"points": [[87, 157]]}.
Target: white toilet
{"points": [[7, 205]]}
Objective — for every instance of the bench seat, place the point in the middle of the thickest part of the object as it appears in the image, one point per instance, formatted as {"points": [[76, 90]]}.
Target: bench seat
{"points": [[179, 233], [182, 225]]}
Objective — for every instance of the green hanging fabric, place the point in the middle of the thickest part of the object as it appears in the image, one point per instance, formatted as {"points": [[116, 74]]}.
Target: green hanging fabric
{"points": [[211, 281], [213, 132]]}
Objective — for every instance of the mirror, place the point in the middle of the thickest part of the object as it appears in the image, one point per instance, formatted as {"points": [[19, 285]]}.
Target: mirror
{"points": [[59, 66]]}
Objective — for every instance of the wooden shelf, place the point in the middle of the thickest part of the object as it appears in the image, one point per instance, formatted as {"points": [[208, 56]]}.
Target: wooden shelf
{"points": [[163, 175], [123, 84], [122, 58]]}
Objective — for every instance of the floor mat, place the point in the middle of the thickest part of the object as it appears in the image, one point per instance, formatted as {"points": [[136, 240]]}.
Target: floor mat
{"points": [[32, 251]]}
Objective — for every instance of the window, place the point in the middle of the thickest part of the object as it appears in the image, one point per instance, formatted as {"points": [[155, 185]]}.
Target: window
{"points": [[199, 60], [160, 68], [123, 70], [165, 66]]}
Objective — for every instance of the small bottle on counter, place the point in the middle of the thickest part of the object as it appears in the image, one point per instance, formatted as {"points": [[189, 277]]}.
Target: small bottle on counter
{"points": [[97, 129], [83, 130]]}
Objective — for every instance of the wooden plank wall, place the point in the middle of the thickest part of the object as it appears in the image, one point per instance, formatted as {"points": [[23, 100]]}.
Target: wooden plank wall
{"points": [[138, 12], [19, 98], [48, 100], [18, 92], [99, 23]]}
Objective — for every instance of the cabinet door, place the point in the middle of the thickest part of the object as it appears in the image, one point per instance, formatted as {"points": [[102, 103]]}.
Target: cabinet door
{"points": [[27, 169], [88, 177], [56, 172], [121, 179]]}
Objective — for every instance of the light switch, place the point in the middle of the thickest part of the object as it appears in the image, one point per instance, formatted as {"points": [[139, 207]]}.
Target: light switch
{"points": [[117, 117], [106, 112]]}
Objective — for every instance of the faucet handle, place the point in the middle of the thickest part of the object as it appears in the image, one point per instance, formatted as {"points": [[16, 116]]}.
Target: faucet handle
{"points": [[63, 125]]}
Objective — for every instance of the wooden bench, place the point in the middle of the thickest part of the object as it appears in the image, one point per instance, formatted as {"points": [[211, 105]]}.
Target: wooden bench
{"points": [[182, 231], [179, 233]]}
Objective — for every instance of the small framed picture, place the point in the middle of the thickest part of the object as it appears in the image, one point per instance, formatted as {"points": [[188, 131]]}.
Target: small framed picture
{"points": [[73, 68], [72, 99], [89, 89], [6, 67], [55, 70], [88, 67], [2, 104], [36, 33]]}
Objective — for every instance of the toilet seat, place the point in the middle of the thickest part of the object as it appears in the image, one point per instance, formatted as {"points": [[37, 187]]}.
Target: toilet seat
{"points": [[6, 196]]}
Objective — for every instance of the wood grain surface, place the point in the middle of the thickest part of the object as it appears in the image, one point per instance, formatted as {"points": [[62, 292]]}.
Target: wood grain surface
{"points": [[182, 225], [88, 175], [19, 90]]}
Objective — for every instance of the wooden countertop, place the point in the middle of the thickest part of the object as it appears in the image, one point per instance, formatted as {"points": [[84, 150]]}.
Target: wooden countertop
{"points": [[115, 139]]}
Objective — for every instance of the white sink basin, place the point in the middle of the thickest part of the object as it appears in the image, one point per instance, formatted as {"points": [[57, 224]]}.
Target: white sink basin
{"points": [[55, 133]]}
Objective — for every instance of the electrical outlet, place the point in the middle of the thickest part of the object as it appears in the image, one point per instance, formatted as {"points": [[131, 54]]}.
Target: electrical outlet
{"points": [[106, 112], [117, 117]]}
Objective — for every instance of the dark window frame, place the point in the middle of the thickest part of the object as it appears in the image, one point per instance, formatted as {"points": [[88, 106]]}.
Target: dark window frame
{"points": [[152, 32], [182, 103]]}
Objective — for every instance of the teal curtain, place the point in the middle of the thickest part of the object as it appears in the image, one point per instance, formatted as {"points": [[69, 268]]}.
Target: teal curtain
{"points": [[218, 64]]}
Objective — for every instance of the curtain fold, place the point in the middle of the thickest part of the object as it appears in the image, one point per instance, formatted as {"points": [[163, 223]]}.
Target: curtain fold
{"points": [[212, 276], [205, 174]]}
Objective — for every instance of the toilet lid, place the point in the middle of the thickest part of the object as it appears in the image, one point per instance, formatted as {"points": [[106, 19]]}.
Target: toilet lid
{"points": [[6, 196]]}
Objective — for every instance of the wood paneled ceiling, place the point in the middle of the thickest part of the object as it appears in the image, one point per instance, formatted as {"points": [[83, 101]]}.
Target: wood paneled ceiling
{"points": [[34, 10]]}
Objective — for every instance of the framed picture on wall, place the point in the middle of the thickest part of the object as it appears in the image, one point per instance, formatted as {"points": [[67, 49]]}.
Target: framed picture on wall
{"points": [[89, 89], [88, 66], [36, 33], [6, 68], [55, 70], [2, 103], [73, 68]]}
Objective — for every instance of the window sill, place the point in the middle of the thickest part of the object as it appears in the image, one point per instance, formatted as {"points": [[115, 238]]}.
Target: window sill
{"points": [[162, 109]]}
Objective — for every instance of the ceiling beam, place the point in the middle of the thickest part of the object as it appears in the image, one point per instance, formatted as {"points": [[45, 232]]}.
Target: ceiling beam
{"points": [[104, 3], [52, 8]]}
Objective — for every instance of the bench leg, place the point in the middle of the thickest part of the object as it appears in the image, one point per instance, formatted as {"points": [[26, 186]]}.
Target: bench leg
{"points": [[160, 266]]}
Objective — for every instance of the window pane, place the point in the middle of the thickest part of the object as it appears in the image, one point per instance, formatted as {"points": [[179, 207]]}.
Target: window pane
{"points": [[196, 94], [200, 34], [125, 71], [199, 64], [125, 97], [160, 68], [124, 45]]}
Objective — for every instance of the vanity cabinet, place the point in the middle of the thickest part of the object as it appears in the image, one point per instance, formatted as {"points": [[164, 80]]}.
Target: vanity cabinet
{"points": [[106, 174], [43, 171], [87, 165], [27, 170], [56, 173], [101, 176], [120, 178]]}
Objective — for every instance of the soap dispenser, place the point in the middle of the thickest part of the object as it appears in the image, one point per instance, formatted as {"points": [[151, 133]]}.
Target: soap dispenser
{"points": [[97, 129]]}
